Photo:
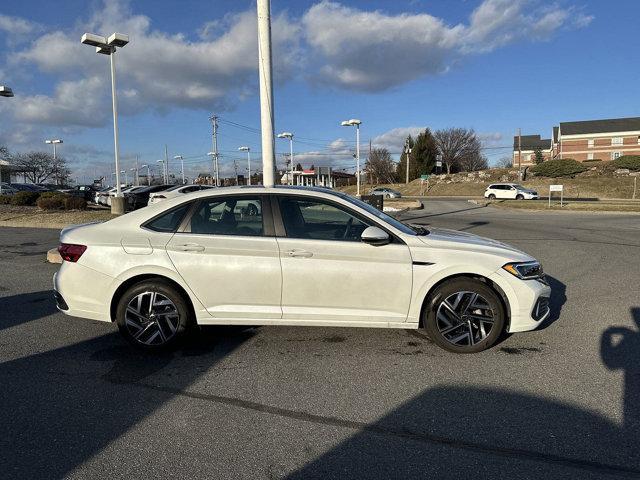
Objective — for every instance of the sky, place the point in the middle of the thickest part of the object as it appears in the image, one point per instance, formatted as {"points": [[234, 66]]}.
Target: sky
{"points": [[398, 66]]}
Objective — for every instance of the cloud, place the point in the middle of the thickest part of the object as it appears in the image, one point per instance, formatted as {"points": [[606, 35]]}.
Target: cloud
{"points": [[156, 70], [374, 51], [393, 140], [16, 25]]}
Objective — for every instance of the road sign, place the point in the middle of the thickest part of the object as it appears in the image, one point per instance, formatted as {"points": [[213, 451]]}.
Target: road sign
{"points": [[556, 188], [424, 177], [438, 163]]}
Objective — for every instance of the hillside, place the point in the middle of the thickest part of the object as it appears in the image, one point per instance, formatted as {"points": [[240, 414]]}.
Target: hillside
{"points": [[597, 182]]}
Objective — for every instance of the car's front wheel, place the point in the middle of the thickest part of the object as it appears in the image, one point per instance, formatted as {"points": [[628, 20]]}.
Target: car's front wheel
{"points": [[152, 315], [464, 315], [519, 197]]}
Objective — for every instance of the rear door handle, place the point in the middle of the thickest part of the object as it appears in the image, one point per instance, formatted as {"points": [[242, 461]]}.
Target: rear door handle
{"points": [[190, 247], [300, 253]]}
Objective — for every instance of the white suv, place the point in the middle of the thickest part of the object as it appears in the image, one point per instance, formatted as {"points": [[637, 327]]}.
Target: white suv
{"points": [[509, 191]]}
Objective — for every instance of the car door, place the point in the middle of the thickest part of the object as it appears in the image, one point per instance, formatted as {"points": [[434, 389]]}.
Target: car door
{"points": [[228, 255], [512, 191], [330, 275]]}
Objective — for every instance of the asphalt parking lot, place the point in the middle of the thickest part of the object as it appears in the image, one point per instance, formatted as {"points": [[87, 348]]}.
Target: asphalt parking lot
{"points": [[291, 402]]}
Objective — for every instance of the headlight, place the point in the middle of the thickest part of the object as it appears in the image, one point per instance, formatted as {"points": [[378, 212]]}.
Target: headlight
{"points": [[525, 270]]}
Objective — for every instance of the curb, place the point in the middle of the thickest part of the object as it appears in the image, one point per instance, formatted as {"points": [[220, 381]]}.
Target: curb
{"points": [[53, 256]]}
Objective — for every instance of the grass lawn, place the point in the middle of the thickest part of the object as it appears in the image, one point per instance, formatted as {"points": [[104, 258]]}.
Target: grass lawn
{"points": [[13, 216]]}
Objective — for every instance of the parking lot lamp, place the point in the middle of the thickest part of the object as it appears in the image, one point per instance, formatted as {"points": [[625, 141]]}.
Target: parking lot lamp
{"points": [[289, 135], [354, 122], [164, 172], [248, 150], [107, 46], [148, 173], [5, 91], [179, 157]]}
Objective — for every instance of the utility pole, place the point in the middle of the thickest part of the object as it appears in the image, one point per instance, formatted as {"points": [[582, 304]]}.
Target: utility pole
{"points": [[137, 173], [370, 172], [235, 167], [214, 144], [166, 163], [519, 154], [266, 92]]}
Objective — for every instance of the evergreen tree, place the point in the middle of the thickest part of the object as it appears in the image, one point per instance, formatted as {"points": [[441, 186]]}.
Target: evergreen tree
{"points": [[422, 159]]}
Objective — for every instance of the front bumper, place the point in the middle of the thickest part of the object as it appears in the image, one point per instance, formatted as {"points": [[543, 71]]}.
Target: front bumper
{"points": [[529, 301]]}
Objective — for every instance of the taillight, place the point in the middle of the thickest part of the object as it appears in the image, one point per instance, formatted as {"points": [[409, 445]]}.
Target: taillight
{"points": [[71, 252]]}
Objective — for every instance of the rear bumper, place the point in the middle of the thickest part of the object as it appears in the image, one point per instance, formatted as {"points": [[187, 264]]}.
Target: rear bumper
{"points": [[82, 292]]}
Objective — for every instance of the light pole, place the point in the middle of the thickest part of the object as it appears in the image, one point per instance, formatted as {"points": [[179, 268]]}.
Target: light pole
{"points": [[5, 91], [266, 92], [164, 172], [148, 173], [107, 46], [289, 135], [248, 150], [179, 157], [55, 142], [351, 123], [134, 169], [126, 180]]}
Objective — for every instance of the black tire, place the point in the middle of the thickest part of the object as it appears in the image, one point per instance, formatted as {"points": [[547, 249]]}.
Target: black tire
{"points": [[433, 325], [519, 197], [492, 196], [169, 327]]}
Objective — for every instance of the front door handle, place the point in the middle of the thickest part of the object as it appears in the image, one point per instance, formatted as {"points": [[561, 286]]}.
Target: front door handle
{"points": [[190, 247], [300, 253]]}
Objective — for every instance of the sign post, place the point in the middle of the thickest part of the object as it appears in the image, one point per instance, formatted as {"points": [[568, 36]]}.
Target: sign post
{"points": [[556, 188], [423, 179]]}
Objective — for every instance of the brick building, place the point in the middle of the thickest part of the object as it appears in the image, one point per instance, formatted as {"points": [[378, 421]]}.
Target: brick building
{"points": [[584, 140]]}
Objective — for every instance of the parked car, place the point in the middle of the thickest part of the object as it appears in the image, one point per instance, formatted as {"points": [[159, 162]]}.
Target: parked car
{"points": [[103, 195], [176, 191], [123, 190], [311, 256], [87, 192], [509, 191], [25, 187], [140, 198], [386, 192], [8, 189]]}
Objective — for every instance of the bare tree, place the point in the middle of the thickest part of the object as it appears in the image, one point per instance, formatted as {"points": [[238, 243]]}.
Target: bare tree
{"points": [[380, 166], [504, 162], [459, 147], [38, 167], [473, 163]]}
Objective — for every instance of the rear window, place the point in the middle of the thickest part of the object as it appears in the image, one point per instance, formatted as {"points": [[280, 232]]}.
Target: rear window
{"points": [[169, 221]]}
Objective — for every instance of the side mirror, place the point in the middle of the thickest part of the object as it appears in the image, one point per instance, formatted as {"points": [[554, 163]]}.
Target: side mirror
{"points": [[374, 236]]}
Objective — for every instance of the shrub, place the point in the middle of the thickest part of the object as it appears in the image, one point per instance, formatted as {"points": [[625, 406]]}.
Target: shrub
{"points": [[51, 194], [25, 198], [559, 168], [5, 199], [52, 202], [632, 162], [75, 203]]}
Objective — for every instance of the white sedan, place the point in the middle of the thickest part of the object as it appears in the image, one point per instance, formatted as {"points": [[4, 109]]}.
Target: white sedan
{"points": [[175, 191], [304, 256]]}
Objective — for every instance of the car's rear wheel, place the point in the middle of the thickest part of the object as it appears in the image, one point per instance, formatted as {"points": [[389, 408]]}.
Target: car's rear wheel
{"points": [[152, 315], [492, 196], [519, 197], [464, 315]]}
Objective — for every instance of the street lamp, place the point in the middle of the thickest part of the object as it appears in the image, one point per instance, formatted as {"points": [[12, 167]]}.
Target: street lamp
{"points": [[164, 172], [134, 169], [126, 180], [55, 142], [148, 173], [179, 157], [107, 46], [5, 91], [354, 122], [248, 150], [289, 135]]}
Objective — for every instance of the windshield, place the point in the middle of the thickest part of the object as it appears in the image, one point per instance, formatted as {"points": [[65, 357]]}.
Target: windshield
{"points": [[382, 216]]}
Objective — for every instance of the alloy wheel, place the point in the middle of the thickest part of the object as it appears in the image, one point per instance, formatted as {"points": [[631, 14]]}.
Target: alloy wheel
{"points": [[465, 318], [152, 318]]}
